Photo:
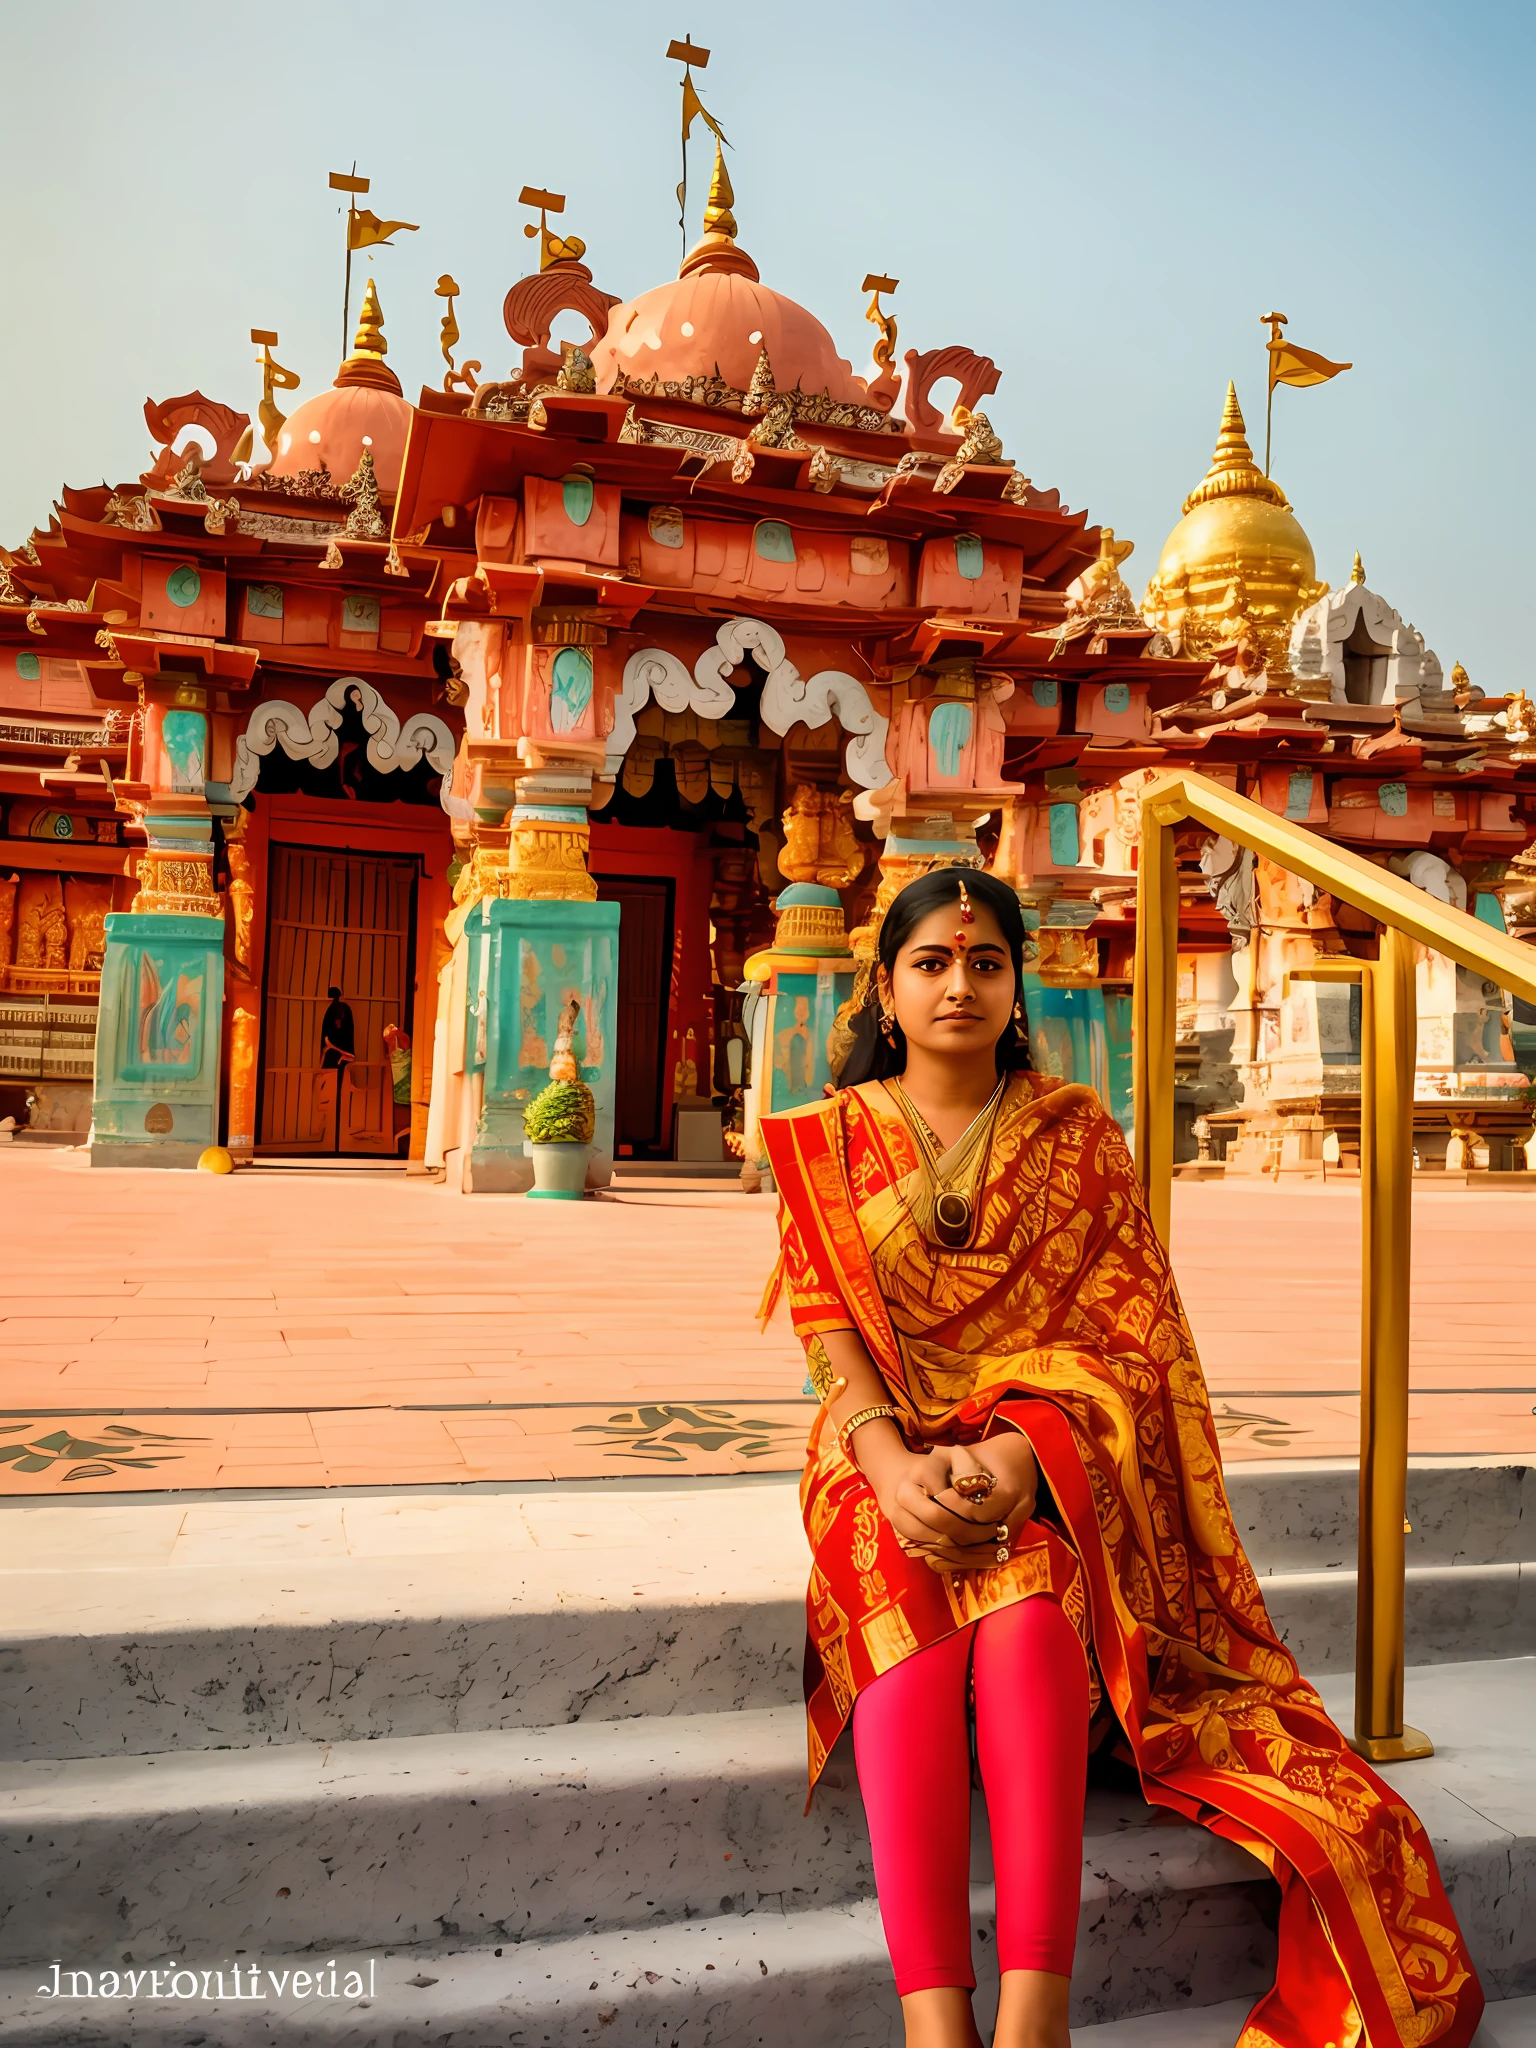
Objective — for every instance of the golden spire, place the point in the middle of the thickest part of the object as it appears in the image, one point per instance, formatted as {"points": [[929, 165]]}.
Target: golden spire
{"points": [[718, 218], [717, 248], [369, 339], [1233, 472], [366, 364], [1357, 574]]}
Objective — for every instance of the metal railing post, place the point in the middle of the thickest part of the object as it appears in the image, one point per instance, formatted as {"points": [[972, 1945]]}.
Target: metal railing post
{"points": [[1388, 1037], [1388, 1059], [1387, 1232], [1154, 1009]]}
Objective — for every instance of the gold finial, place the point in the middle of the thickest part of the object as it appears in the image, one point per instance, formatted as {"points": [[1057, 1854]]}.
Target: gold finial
{"points": [[1357, 574], [273, 378], [1461, 684], [448, 333], [718, 218], [366, 364], [369, 339], [1233, 472], [552, 248], [875, 313]]}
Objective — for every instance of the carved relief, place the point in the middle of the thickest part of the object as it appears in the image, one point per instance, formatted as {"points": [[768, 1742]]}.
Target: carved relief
{"points": [[42, 933], [85, 908], [819, 841]]}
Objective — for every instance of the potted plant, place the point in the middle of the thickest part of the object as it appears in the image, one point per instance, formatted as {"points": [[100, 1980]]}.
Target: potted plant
{"points": [[558, 1123]]}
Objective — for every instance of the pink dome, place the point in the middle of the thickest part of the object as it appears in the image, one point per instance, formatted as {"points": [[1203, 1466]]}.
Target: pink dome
{"points": [[713, 319], [362, 409], [336, 425], [716, 316]]}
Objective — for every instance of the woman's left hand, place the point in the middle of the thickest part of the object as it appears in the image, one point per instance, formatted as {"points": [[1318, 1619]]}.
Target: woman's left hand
{"points": [[983, 1528]]}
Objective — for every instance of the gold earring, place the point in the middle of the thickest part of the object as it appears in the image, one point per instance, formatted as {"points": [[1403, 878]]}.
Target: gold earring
{"points": [[888, 1025], [1018, 1013]]}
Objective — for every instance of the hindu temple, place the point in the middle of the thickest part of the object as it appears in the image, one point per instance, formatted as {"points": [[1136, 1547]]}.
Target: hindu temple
{"points": [[341, 748]]}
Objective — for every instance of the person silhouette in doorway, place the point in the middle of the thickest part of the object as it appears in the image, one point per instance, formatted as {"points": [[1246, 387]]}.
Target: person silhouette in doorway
{"points": [[338, 1036]]}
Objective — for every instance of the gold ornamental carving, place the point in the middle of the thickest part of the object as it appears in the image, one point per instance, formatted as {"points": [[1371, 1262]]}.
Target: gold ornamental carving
{"points": [[549, 861], [177, 887], [819, 840]]}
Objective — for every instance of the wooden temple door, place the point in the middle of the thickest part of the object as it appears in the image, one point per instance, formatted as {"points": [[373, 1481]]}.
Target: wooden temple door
{"points": [[645, 979], [335, 920]]}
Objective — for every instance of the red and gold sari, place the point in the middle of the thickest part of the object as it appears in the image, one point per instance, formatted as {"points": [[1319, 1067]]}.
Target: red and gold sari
{"points": [[1061, 1319]]}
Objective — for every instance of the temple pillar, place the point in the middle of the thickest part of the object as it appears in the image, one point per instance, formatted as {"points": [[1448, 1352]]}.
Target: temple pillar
{"points": [[156, 1091], [527, 930], [798, 991]]}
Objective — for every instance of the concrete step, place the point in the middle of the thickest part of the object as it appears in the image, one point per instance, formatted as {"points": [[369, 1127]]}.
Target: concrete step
{"points": [[143, 1627], [820, 1979], [663, 1847], [526, 1834]]}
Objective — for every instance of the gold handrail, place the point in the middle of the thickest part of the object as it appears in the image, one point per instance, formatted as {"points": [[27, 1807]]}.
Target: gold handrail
{"points": [[1388, 1035]]}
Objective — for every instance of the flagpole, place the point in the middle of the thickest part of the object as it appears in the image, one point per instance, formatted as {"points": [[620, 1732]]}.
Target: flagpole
{"points": [[346, 297], [682, 190], [1269, 413]]}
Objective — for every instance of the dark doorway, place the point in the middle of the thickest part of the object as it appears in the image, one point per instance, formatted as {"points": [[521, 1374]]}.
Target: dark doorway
{"points": [[345, 921], [1365, 666], [645, 978]]}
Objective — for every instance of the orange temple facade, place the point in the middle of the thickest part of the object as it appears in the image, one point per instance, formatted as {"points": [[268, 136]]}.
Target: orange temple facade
{"points": [[638, 676]]}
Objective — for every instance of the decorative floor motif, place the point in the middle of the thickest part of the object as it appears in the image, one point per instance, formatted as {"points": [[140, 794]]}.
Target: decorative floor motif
{"points": [[266, 1330]]}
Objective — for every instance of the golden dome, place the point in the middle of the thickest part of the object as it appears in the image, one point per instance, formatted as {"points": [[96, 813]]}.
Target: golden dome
{"points": [[1239, 551]]}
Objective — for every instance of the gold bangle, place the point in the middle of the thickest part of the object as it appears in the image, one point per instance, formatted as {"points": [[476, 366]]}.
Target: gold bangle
{"points": [[879, 1414]]}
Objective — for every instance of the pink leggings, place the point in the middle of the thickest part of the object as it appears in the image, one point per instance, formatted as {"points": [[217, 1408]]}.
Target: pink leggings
{"points": [[910, 1738]]}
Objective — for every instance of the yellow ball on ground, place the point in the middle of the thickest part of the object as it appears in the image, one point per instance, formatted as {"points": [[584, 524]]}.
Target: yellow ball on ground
{"points": [[216, 1160]]}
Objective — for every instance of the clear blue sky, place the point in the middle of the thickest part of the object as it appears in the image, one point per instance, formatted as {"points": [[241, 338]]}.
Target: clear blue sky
{"points": [[1104, 198]]}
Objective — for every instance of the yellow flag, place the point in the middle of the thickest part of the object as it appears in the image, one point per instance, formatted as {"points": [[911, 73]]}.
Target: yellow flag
{"points": [[364, 228], [692, 106], [1289, 364]]}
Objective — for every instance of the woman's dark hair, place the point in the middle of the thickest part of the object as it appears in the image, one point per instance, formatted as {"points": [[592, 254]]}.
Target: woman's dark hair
{"points": [[873, 1056]]}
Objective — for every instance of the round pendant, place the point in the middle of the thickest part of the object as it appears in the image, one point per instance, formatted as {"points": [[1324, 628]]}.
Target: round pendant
{"points": [[952, 1220]]}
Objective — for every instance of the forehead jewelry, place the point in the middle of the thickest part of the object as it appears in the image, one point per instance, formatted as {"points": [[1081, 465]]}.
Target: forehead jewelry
{"points": [[967, 916]]}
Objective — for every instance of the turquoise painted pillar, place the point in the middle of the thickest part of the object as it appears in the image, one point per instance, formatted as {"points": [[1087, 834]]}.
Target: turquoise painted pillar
{"points": [[157, 1040], [799, 985], [1082, 1033], [527, 958]]}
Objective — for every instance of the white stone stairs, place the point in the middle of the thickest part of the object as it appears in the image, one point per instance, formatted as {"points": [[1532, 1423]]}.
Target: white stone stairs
{"points": [[529, 1762]]}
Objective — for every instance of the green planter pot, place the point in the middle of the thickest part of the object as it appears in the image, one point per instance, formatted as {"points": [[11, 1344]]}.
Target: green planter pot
{"points": [[559, 1171]]}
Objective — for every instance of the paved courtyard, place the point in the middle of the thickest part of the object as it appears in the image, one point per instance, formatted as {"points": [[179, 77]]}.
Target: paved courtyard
{"points": [[283, 1328]]}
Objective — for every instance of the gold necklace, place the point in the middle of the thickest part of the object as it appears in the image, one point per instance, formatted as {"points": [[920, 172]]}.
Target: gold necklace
{"points": [[947, 1208]]}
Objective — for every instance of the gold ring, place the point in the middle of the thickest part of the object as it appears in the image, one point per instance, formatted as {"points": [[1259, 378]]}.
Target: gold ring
{"points": [[975, 1487]]}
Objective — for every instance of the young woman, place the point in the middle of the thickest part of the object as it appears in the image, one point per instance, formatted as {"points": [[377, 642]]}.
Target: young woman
{"points": [[1014, 1500]]}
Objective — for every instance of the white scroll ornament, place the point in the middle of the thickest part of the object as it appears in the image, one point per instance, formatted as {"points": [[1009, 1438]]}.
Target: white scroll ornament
{"points": [[312, 736], [788, 697]]}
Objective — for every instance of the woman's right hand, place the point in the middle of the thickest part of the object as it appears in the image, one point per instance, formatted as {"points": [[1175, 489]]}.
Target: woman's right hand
{"points": [[904, 1483]]}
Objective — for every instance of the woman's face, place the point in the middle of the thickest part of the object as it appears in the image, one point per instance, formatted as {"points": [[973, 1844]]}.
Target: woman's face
{"points": [[953, 985]]}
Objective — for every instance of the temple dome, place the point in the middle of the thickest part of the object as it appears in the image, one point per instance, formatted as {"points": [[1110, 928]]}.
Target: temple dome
{"points": [[364, 408], [1238, 550], [718, 315]]}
